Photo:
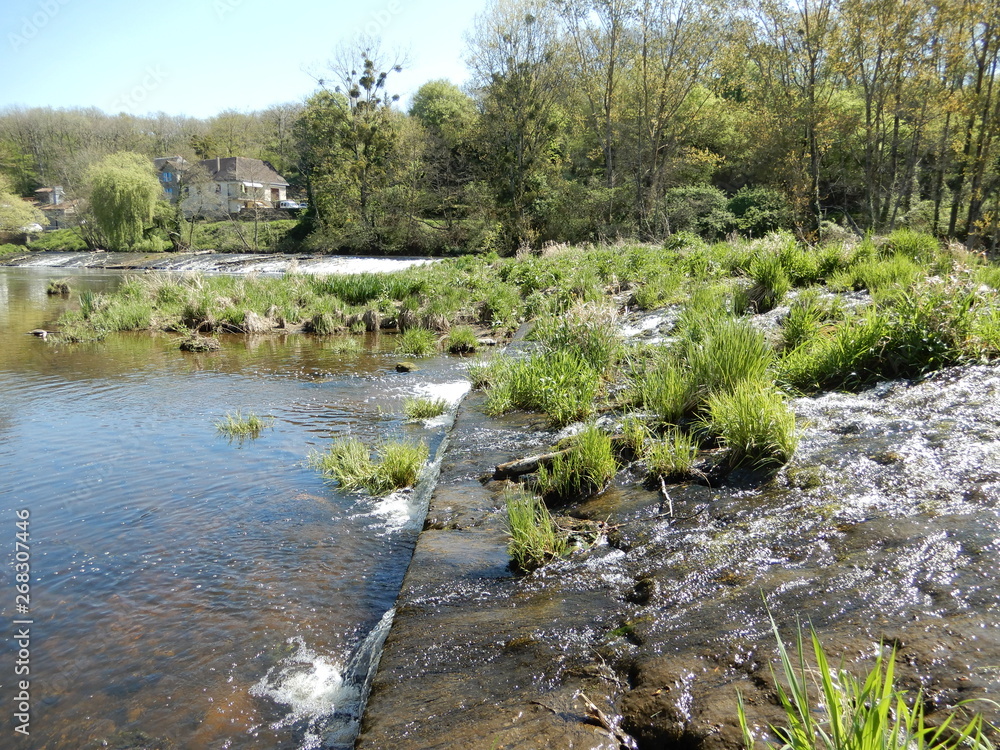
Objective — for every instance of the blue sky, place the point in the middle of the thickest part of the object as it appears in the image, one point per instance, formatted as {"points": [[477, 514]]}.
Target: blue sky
{"points": [[200, 57]]}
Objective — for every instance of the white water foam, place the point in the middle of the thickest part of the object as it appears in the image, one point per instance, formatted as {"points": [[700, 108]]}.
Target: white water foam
{"points": [[326, 696]]}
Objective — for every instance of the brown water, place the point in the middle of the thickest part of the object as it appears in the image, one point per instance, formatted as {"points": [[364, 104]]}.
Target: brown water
{"points": [[207, 592]]}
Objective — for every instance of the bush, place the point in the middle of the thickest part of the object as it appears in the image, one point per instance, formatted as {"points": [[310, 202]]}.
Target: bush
{"points": [[59, 239], [759, 210], [701, 209], [754, 422], [8, 249], [587, 467], [534, 537]]}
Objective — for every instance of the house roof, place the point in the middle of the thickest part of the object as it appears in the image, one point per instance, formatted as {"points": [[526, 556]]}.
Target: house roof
{"points": [[242, 169], [160, 162]]}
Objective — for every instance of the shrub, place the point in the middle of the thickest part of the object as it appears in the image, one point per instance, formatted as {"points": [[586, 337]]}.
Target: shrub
{"points": [[586, 468], [417, 342], [701, 209], [534, 537], [8, 249], [759, 210], [754, 422], [59, 239]]}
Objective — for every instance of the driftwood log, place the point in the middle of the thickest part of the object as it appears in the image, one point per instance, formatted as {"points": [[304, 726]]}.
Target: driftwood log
{"points": [[529, 464]]}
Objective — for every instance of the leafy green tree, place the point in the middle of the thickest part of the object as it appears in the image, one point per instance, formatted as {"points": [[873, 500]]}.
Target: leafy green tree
{"points": [[123, 194], [14, 212]]}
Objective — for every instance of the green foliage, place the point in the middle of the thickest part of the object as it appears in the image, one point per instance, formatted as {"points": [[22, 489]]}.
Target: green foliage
{"points": [[729, 353], [559, 383], [418, 342], [759, 210], [123, 192], [59, 239], [584, 469], [14, 212], [461, 340], [239, 425], [668, 390], [8, 249], [832, 709], [673, 456], [534, 537], [589, 329], [348, 461], [754, 422], [700, 209], [424, 408]]}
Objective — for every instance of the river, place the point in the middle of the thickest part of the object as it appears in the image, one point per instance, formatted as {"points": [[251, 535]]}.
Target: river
{"points": [[186, 588]]}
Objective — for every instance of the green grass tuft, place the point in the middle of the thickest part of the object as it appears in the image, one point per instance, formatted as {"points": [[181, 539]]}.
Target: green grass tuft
{"points": [[461, 340], [534, 537], [238, 425], [417, 342], [831, 709], [424, 408], [348, 461], [755, 422], [672, 457], [585, 469]]}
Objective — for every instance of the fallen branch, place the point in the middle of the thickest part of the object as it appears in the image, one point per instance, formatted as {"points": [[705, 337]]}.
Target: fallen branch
{"points": [[527, 465]]}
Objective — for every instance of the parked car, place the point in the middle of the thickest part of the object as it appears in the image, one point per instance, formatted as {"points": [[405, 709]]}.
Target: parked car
{"points": [[289, 204]]}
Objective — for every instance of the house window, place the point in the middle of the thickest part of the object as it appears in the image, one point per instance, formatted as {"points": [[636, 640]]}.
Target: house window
{"points": [[167, 176], [168, 191]]}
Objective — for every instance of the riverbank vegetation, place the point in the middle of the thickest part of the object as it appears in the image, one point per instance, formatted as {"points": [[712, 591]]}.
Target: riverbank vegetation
{"points": [[588, 122], [241, 426]]}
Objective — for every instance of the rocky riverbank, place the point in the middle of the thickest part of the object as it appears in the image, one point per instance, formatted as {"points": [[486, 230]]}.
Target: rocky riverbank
{"points": [[884, 529]]}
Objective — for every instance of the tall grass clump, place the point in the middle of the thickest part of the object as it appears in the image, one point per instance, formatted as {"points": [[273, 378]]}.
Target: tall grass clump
{"points": [[424, 408], [806, 317], [589, 329], [914, 245], [558, 383], [417, 342], [730, 353], [754, 422], [349, 462], [673, 456], [586, 468], [668, 390], [239, 425], [831, 709], [770, 283], [461, 340], [534, 537]]}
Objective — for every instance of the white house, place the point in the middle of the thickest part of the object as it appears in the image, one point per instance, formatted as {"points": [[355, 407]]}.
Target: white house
{"points": [[237, 183]]}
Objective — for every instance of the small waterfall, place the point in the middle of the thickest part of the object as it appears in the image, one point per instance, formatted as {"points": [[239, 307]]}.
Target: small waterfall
{"points": [[325, 699]]}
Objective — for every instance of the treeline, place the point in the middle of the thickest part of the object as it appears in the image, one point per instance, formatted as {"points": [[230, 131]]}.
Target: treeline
{"points": [[599, 119]]}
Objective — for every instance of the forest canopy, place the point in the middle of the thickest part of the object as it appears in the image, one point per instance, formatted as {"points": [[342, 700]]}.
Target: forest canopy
{"points": [[599, 119]]}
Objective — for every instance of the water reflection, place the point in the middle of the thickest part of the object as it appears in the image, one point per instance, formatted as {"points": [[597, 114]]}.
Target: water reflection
{"points": [[174, 570]]}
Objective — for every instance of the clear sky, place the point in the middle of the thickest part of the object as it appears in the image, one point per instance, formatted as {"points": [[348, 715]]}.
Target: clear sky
{"points": [[200, 57]]}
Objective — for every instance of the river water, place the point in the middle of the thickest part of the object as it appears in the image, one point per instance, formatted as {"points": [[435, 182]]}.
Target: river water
{"points": [[187, 588]]}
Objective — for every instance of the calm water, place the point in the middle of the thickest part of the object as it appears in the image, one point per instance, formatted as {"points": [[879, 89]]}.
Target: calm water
{"points": [[205, 591]]}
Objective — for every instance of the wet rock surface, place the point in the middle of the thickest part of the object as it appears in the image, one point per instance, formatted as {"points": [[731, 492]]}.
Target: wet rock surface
{"points": [[883, 531]]}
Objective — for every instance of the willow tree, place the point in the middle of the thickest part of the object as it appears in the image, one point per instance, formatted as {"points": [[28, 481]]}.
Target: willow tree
{"points": [[123, 192]]}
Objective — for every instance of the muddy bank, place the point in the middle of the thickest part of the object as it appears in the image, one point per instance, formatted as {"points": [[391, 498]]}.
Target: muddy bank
{"points": [[884, 529], [211, 262]]}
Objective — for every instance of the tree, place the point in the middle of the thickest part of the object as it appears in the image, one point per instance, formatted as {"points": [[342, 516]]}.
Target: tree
{"points": [[123, 194], [14, 212], [349, 140], [520, 77]]}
